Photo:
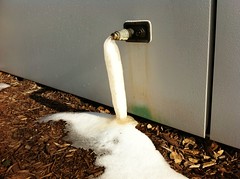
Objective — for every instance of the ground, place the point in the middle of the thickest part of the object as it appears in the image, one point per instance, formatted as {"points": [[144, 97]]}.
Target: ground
{"points": [[29, 149]]}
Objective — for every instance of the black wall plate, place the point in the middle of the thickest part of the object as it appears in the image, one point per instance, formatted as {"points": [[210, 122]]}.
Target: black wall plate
{"points": [[142, 31]]}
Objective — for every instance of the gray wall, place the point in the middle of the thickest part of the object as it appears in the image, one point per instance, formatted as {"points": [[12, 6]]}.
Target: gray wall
{"points": [[60, 43], [226, 90]]}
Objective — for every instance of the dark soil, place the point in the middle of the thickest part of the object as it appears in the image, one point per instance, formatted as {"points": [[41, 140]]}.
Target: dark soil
{"points": [[29, 149]]}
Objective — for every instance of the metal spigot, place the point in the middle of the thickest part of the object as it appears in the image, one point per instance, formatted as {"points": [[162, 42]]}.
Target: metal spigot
{"points": [[134, 31], [123, 34]]}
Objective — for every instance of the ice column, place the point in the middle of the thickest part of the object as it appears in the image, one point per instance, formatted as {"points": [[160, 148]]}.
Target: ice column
{"points": [[115, 77]]}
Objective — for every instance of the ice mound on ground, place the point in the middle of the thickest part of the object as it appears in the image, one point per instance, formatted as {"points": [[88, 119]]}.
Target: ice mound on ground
{"points": [[4, 85], [124, 151]]}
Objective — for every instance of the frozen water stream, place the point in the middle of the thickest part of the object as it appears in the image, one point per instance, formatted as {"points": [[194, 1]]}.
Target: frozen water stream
{"points": [[124, 151], [115, 77]]}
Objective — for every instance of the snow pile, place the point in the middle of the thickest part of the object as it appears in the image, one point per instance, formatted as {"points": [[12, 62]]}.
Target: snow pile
{"points": [[3, 85], [124, 151]]}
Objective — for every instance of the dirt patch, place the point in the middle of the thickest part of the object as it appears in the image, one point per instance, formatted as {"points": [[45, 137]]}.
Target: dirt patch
{"points": [[29, 149]]}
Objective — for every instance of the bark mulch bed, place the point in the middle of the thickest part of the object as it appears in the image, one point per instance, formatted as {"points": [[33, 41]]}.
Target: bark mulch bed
{"points": [[29, 149]]}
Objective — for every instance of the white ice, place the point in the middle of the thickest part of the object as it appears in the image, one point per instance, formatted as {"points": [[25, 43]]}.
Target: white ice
{"points": [[3, 85], [115, 77], [124, 151]]}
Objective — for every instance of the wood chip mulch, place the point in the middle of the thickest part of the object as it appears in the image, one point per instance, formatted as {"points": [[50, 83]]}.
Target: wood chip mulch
{"points": [[29, 149]]}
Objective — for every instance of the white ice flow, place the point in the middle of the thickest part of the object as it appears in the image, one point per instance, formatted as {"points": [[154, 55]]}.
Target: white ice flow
{"points": [[124, 151], [3, 85], [115, 77]]}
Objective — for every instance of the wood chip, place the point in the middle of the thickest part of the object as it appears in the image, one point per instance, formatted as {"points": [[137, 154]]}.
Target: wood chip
{"points": [[69, 155], [149, 126], [222, 157], [214, 146], [188, 141], [192, 152], [176, 157], [205, 157], [169, 150], [62, 145], [170, 140], [220, 152], [193, 160], [209, 164], [195, 166]]}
